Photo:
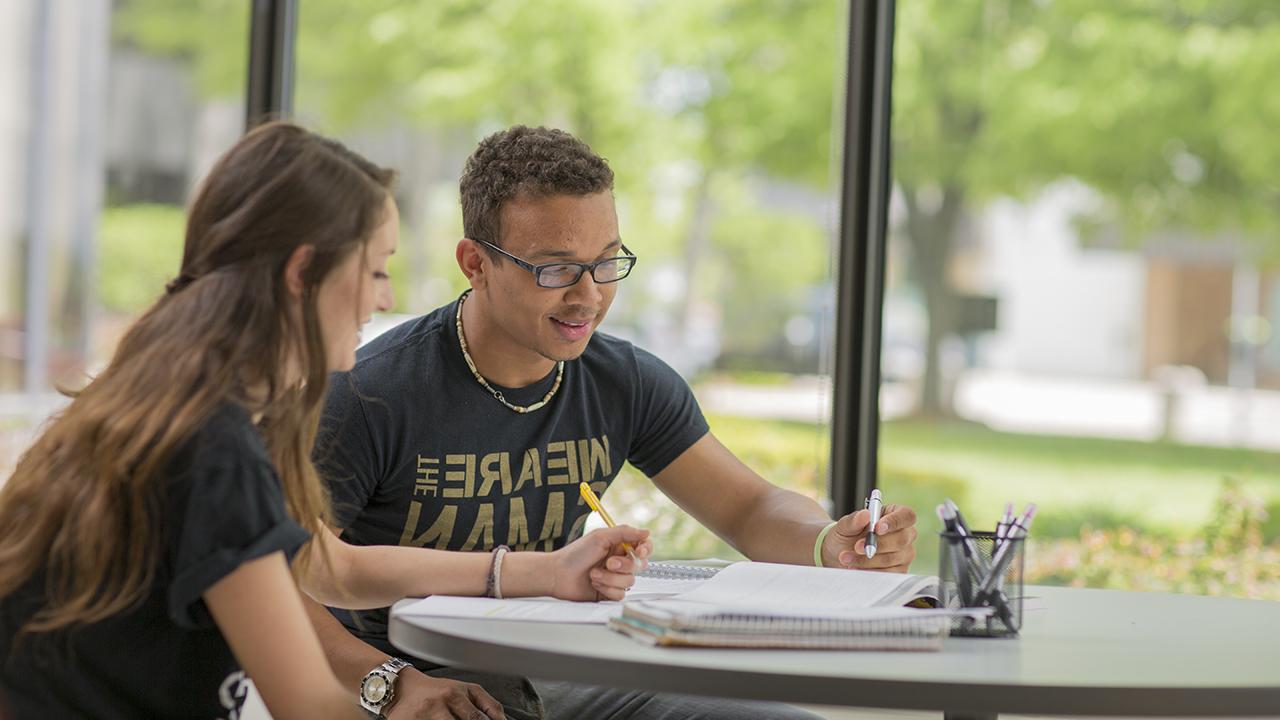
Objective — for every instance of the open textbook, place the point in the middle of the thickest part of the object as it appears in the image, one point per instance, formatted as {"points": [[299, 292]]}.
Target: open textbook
{"points": [[802, 591], [744, 604], [768, 605]]}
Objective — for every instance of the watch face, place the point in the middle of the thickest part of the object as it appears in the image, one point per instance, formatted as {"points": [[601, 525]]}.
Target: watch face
{"points": [[375, 689]]}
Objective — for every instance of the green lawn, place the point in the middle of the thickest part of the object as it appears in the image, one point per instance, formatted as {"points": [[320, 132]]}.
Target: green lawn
{"points": [[1165, 491], [1159, 486]]}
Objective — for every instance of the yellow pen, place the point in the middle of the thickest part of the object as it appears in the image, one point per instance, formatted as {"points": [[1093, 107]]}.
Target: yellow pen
{"points": [[593, 502]]}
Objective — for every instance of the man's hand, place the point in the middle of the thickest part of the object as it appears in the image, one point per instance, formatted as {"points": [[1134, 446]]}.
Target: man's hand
{"points": [[596, 567], [422, 697], [845, 546]]}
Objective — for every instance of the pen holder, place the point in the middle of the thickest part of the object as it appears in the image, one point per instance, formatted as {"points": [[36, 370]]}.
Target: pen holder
{"points": [[965, 566]]}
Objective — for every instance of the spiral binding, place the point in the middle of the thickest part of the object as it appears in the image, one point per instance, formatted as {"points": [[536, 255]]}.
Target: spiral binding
{"points": [[838, 642], [747, 624], [677, 571]]}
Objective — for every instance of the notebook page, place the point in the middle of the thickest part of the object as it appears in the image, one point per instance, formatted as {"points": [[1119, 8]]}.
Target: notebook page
{"points": [[687, 610], [539, 609], [651, 587], [797, 590]]}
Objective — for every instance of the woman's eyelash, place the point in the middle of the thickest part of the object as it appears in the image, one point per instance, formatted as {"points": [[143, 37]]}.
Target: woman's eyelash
{"points": [[381, 276]]}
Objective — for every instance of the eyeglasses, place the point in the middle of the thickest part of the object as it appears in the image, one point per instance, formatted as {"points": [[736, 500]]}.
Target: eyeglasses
{"points": [[564, 274]]}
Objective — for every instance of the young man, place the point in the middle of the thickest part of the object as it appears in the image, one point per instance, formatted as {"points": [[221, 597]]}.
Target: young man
{"points": [[471, 426]]}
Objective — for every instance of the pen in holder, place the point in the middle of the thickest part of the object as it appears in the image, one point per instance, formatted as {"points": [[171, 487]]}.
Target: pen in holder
{"points": [[979, 570]]}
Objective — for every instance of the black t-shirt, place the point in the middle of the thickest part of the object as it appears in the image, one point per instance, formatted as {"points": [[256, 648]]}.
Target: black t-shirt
{"points": [[222, 506], [418, 453]]}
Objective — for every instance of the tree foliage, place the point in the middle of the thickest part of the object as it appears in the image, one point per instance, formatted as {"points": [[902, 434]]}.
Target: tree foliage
{"points": [[1156, 105], [141, 250], [1161, 106]]}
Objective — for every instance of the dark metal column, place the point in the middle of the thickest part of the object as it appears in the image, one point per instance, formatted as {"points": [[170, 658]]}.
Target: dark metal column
{"points": [[855, 418], [273, 29]]}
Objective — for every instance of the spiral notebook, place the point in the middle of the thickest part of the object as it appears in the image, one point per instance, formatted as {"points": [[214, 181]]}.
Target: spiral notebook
{"points": [[788, 606], [668, 570], [664, 578]]}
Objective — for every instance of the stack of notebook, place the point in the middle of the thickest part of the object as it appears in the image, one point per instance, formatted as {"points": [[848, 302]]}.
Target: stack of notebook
{"points": [[764, 605]]}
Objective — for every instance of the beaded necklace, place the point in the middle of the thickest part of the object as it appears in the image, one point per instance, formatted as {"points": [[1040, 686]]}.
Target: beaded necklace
{"points": [[497, 394]]}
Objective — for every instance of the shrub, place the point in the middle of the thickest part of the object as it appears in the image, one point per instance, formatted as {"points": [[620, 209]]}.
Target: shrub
{"points": [[140, 250], [1229, 557]]}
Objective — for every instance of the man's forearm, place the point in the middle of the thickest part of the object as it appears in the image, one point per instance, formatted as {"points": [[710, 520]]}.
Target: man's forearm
{"points": [[761, 520], [780, 527], [350, 657]]}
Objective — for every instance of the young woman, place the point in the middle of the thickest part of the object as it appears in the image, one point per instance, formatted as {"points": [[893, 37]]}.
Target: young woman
{"points": [[147, 537]]}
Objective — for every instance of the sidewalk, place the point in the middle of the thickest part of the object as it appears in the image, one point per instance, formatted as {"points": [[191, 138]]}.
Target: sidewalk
{"points": [[1011, 402]]}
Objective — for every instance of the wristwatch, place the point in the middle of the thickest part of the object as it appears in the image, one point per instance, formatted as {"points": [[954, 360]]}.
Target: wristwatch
{"points": [[378, 689]]}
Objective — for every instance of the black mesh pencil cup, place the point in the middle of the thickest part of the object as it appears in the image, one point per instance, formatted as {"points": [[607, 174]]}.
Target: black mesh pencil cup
{"points": [[980, 571]]}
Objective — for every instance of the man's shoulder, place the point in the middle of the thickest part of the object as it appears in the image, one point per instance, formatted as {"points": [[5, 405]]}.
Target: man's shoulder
{"points": [[614, 355], [406, 344], [610, 352]]}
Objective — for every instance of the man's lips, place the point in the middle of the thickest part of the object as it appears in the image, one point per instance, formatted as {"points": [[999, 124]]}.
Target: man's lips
{"points": [[572, 329], [576, 316]]}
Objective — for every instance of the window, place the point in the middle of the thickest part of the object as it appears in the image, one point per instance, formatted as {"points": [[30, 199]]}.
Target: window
{"points": [[717, 120], [1080, 299], [109, 114]]}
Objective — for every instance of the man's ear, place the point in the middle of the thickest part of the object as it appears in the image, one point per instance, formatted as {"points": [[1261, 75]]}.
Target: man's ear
{"points": [[472, 262], [295, 266]]}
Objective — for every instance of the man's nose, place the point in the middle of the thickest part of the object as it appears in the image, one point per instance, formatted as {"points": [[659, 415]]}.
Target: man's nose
{"points": [[586, 291]]}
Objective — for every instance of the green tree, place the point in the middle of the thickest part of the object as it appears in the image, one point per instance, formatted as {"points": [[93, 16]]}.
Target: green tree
{"points": [[1154, 105], [718, 87], [141, 250], [212, 35], [445, 70], [749, 98]]}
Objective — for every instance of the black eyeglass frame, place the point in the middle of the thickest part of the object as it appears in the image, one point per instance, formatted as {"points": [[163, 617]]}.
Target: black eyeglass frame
{"points": [[583, 268]]}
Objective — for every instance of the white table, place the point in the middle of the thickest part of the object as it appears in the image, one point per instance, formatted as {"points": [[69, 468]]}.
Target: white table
{"points": [[1081, 652]]}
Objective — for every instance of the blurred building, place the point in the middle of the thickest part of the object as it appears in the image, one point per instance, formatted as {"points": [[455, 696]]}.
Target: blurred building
{"points": [[1118, 311], [85, 123]]}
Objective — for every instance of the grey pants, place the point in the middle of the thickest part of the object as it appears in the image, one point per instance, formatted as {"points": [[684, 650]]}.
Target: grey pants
{"points": [[568, 701], [524, 699]]}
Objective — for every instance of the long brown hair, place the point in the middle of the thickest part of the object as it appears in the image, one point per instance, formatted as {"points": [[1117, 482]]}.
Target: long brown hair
{"points": [[83, 501]]}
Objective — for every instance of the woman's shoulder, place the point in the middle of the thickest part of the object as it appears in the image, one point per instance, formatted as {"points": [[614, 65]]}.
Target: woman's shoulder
{"points": [[226, 437], [223, 468]]}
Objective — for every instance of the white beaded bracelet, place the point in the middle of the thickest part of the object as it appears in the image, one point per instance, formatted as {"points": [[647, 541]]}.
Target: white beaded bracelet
{"points": [[498, 553]]}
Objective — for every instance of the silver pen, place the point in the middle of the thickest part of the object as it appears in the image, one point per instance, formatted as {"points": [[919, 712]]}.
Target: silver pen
{"points": [[1005, 524], [979, 560], [1004, 555], [876, 505]]}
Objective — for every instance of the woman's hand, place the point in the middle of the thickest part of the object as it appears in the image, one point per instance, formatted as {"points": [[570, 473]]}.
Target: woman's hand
{"points": [[596, 567]]}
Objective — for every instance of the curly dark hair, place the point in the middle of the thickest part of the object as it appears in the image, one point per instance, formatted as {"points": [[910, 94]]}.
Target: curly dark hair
{"points": [[535, 162]]}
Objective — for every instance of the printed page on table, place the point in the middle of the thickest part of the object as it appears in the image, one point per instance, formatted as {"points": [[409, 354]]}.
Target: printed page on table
{"points": [[800, 590], [539, 609]]}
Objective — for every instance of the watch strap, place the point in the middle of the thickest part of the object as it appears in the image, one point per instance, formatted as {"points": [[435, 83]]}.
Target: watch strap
{"points": [[390, 672]]}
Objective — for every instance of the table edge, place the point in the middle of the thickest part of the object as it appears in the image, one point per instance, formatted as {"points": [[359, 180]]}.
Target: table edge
{"points": [[458, 650]]}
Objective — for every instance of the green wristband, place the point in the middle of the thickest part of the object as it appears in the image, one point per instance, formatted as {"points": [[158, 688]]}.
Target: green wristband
{"points": [[817, 544]]}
